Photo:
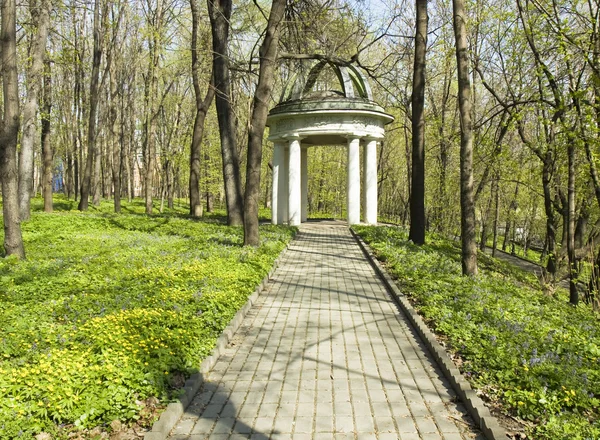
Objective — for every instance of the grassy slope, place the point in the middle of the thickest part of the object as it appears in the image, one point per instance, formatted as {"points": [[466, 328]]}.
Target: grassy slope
{"points": [[107, 309], [536, 355]]}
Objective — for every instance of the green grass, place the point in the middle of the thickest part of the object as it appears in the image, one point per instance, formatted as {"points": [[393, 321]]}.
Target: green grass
{"points": [[108, 309], [535, 355]]}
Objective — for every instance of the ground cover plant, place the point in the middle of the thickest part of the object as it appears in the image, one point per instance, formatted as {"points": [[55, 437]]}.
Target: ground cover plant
{"points": [[531, 255], [108, 309], [536, 355]]}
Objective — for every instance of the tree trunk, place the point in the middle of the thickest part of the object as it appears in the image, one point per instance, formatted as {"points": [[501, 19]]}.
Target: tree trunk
{"points": [[467, 204], [220, 14], [47, 153], [9, 131], [551, 218], [170, 186], [485, 223], [496, 214], [258, 120], [69, 174], [417, 195], [94, 96], [573, 269], [505, 241], [581, 225], [593, 288], [116, 141], [40, 17], [96, 186], [210, 201], [202, 106], [151, 111], [148, 149], [132, 158]]}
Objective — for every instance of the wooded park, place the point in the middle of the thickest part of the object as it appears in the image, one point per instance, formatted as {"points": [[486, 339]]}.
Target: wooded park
{"points": [[142, 124]]}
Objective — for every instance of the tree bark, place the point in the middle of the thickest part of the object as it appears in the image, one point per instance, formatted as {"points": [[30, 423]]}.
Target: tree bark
{"points": [[496, 213], [417, 195], [467, 203], [151, 111], [220, 14], [91, 135], [116, 140], [47, 152], [485, 223], [9, 131], [96, 185], [573, 270], [132, 158], [202, 106], [40, 16], [260, 109]]}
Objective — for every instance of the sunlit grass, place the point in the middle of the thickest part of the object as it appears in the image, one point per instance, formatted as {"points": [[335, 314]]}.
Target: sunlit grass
{"points": [[107, 309], [535, 354]]}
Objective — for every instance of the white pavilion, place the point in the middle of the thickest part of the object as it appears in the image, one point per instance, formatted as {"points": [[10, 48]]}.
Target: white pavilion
{"points": [[306, 118]]}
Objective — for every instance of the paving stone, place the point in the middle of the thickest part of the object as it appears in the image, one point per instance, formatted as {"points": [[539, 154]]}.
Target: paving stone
{"points": [[284, 424], [203, 426], [405, 425], [364, 423], [324, 353], [446, 425], [387, 436], [184, 427], [343, 408], [377, 395], [229, 410], [224, 425], [249, 410], [324, 424], [263, 424], [381, 409], [241, 427], [219, 437], [426, 425], [431, 436], [410, 436], [343, 423], [385, 424], [322, 435], [304, 425], [212, 410]]}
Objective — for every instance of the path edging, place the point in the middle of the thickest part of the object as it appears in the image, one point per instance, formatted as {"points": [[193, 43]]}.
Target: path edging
{"points": [[477, 410], [171, 415]]}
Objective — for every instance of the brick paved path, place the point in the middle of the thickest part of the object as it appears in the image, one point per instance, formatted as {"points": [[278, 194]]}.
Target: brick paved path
{"points": [[325, 354]]}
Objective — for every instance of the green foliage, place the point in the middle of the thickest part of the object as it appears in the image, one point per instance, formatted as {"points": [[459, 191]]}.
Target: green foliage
{"points": [[536, 354], [107, 309]]}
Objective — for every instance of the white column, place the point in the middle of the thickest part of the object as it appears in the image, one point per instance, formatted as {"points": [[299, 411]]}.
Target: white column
{"points": [[304, 186], [284, 186], [276, 194], [295, 184], [279, 204], [363, 198], [370, 172], [353, 181]]}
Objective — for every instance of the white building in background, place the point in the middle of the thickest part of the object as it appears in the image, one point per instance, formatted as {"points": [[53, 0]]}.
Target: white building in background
{"points": [[306, 118]]}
